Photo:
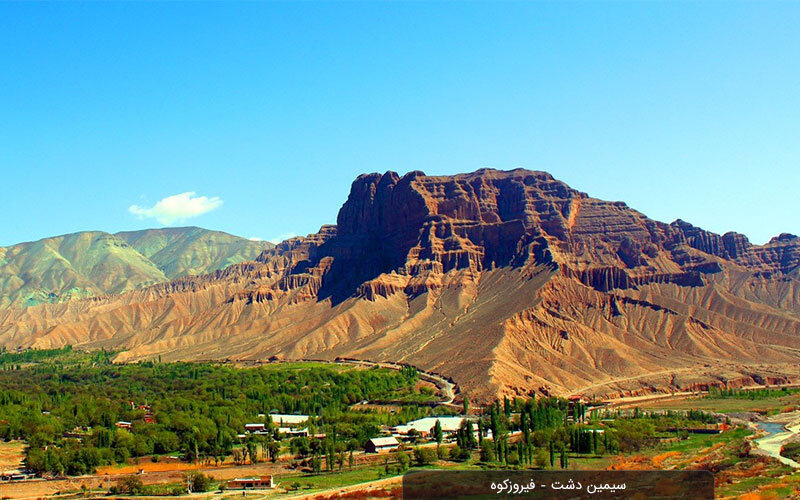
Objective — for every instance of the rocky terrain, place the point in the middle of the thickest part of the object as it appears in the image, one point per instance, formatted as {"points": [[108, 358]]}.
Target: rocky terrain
{"points": [[508, 282], [93, 263]]}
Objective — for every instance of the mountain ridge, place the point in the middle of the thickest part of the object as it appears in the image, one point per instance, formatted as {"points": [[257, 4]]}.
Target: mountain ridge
{"points": [[508, 282], [91, 263]]}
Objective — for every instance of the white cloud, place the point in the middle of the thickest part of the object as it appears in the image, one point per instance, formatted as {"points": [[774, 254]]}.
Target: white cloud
{"points": [[282, 237], [177, 207], [255, 238]]}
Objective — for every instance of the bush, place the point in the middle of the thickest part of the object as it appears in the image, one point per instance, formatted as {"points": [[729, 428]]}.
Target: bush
{"points": [[542, 458], [199, 481], [403, 460], [791, 450], [178, 490], [442, 452], [487, 452], [631, 435], [425, 456], [132, 485]]}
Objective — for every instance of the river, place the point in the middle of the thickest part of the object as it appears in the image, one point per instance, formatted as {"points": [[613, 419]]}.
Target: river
{"points": [[772, 442]]}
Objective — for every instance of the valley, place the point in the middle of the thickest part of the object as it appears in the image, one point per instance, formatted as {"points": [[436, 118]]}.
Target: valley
{"points": [[505, 282]]}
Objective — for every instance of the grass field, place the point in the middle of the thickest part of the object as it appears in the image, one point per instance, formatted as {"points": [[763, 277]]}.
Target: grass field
{"points": [[727, 405]]}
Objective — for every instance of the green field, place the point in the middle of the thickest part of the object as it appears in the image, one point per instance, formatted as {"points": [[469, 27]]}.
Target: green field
{"points": [[770, 406]]}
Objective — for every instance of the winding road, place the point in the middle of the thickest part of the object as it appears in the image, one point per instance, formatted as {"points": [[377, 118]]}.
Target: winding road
{"points": [[447, 388]]}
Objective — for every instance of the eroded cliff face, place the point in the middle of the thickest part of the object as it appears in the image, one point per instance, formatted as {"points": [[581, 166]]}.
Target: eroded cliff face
{"points": [[509, 282]]}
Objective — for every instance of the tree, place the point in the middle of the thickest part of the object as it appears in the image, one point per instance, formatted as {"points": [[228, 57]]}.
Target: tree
{"points": [[465, 437], [487, 452], [425, 456], [198, 482], [465, 404], [252, 451], [403, 460], [273, 448], [541, 458], [131, 485], [438, 435]]}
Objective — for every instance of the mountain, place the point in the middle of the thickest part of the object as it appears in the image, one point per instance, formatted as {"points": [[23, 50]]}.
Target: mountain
{"points": [[187, 251], [508, 282], [94, 263]]}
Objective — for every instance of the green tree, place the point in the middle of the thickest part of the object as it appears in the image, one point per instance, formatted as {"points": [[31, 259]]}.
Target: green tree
{"points": [[438, 435], [487, 452], [424, 456]]}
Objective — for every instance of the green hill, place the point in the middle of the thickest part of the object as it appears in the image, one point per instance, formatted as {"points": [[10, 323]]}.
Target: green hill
{"points": [[95, 263], [182, 251]]}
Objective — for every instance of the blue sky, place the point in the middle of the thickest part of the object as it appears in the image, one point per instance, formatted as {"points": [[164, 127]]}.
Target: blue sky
{"points": [[270, 110]]}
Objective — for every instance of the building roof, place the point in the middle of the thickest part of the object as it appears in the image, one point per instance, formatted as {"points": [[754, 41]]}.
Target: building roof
{"points": [[449, 424], [384, 441], [283, 419], [253, 478]]}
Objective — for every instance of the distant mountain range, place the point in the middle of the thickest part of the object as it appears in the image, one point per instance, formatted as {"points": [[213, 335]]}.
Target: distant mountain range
{"points": [[508, 282], [95, 263]]}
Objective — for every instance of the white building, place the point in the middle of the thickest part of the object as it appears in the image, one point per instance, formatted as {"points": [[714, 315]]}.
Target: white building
{"points": [[282, 420], [425, 425], [289, 431]]}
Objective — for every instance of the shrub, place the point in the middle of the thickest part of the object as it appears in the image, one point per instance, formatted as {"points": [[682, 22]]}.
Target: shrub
{"points": [[131, 485], [791, 450], [199, 481], [542, 458], [425, 456], [487, 452], [403, 460]]}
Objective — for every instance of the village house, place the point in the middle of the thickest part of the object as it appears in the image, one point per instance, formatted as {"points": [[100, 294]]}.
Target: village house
{"points": [[255, 427], [124, 425], [251, 483], [377, 445], [290, 432]]}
